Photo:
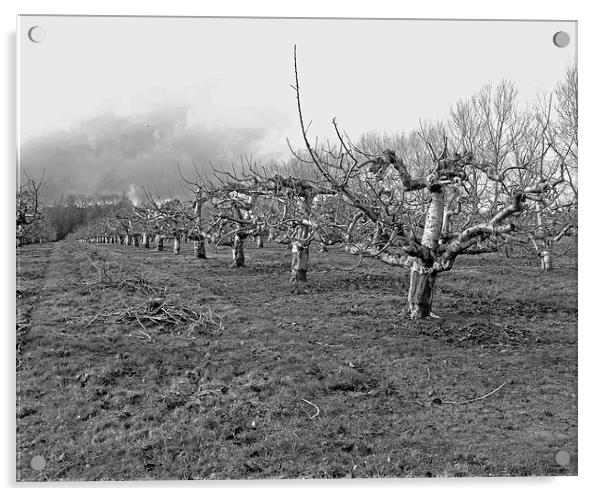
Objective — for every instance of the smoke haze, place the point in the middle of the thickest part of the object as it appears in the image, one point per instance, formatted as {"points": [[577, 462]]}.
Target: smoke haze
{"points": [[113, 154]]}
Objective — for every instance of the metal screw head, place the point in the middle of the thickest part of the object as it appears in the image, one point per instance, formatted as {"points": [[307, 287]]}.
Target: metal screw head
{"points": [[38, 462], [37, 34], [562, 457], [561, 39]]}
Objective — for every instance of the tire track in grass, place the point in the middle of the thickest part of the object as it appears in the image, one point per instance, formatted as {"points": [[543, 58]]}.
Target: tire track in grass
{"points": [[33, 263]]}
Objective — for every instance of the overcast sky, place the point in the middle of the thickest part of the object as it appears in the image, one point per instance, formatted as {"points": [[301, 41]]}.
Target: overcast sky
{"points": [[109, 102]]}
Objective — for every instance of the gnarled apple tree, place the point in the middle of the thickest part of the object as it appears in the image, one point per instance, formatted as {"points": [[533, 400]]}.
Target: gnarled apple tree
{"points": [[457, 188]]}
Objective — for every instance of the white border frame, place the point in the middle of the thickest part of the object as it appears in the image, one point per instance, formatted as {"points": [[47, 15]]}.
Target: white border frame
{"points": [[590, 86]]}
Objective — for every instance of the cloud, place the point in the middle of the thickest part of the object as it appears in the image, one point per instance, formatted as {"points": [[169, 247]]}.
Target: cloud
{"points": [[111, 153]]}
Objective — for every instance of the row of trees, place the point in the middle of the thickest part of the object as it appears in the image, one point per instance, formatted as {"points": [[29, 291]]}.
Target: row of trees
{"points": [[38, 222], [33, 224], [494, 174]]}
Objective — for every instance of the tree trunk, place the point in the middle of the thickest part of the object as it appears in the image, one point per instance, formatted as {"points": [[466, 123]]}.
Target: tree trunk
{"points": [[238, 253], [259, 241], [434, 221], [145, 240], [160, 244], [422, 279], [546, 260], [199, 247], [176, 245], [420, 293], [300, 262], [199, 239], [136, 241], [541, 231], [378, 238]]}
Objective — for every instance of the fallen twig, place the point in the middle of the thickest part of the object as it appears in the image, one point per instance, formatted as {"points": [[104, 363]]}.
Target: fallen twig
{"points": [[143, 326], [328, 345], [474, 399], [315, 406], [349, 269]]}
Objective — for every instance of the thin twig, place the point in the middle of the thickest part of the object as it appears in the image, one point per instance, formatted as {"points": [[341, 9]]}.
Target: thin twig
{"points": [[143, 326], [315, 406], [474, 399]]}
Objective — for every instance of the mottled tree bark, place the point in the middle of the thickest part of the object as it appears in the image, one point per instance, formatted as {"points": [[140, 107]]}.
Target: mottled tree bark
{"points": [[145, 240], [422, 279], [299, 263], [199, 237], [420, 293], [238, 253], [545, 254], [259, 241], [176, 245], [199, 247], [546, 260]]}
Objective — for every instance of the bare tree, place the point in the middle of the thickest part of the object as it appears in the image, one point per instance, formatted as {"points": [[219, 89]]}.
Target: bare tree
{"points": [[29, 208], [293, 210], [457, 191], [238, 213], [198, 188]]}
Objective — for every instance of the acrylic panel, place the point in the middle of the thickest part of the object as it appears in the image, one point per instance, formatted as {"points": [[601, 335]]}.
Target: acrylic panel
{"points": [[256, 248]]}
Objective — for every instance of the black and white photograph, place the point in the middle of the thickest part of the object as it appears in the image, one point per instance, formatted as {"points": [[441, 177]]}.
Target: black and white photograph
{"points": [[295, 248]]}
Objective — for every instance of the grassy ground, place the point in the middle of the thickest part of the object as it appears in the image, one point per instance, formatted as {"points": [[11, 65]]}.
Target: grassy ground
{"points": [[100, 400]]}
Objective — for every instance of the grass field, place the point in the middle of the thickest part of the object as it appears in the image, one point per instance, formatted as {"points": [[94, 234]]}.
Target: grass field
{"points": [[100, 400]]}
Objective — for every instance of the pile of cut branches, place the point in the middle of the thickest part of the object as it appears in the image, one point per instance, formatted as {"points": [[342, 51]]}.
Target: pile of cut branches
{"points": [[112, 275], [136, 283], [162, 314]]}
